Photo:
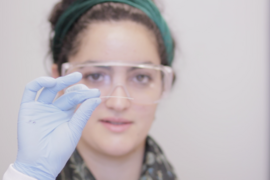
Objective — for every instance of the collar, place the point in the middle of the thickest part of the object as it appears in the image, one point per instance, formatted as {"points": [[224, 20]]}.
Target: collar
{"points": [[155, 166]]}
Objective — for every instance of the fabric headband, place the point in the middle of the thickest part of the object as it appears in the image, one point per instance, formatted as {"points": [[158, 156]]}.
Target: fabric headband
{"points": [[79, 7]]}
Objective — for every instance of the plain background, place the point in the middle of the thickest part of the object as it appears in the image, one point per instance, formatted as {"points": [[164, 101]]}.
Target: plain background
{"points": [[215, 123]]}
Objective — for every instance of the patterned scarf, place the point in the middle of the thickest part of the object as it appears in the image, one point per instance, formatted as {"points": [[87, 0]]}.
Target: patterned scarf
{"points": [[155, 166]]}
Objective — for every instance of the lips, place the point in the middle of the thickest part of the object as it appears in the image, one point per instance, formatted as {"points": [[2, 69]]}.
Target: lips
{"points": [[116, 125]]}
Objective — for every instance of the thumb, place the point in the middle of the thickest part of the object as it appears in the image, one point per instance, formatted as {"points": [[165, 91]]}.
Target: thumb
{"points": [[81, 116]]}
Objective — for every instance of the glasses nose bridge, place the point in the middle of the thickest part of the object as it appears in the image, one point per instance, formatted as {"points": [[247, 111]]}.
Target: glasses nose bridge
{"points": [[115, 89]]}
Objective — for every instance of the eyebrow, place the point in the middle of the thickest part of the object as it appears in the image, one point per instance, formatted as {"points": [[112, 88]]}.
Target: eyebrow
{"points": [[89, 61], [133, 69]]}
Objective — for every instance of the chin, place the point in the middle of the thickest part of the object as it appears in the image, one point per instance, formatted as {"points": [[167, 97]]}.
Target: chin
{"points": [[115, 145], [117, 150]]}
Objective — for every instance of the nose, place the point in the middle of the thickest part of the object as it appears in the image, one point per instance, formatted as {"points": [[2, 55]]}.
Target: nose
{"points": [[119, 99]]}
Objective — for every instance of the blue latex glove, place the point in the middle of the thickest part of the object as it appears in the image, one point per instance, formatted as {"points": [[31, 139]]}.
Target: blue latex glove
{"points": [[48, 131]]}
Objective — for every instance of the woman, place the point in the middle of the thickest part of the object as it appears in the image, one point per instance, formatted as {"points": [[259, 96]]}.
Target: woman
{"points": [[119, 53]]}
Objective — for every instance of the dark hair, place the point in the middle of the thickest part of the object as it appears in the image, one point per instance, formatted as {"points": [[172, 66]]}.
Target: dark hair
{"points": [[102, 12]]}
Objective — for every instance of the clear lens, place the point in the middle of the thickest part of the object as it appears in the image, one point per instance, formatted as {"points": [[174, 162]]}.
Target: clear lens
{"points": [[139, 83]]}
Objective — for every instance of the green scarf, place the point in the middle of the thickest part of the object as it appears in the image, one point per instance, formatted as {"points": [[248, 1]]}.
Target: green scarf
{"points": [[155, 166], [79, 7]]}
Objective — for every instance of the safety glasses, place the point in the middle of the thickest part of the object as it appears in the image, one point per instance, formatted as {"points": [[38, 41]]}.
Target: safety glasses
{"points": [[139, 83]]}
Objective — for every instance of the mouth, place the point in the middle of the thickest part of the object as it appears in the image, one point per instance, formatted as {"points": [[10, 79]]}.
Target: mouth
{"points": [[116, 125]]}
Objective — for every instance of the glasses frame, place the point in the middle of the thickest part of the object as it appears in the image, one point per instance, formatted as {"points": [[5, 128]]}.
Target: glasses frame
{"points": [[167, 71]]}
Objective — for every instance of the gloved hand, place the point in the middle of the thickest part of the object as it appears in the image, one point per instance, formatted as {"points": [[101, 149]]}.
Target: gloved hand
{"points": [[48, 131]]}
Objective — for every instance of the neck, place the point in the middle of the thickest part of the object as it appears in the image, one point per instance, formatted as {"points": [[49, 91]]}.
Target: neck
{"points": [[107, 167]]}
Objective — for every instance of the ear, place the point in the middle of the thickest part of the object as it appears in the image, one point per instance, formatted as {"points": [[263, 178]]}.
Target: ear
{"points": [[55, 73]]}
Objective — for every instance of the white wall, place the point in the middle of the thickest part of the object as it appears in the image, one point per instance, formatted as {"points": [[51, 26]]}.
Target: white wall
{"points": [[214, 125]]}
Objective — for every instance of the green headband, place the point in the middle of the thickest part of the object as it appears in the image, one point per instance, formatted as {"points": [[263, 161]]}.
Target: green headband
{"points": [[79, 7]]}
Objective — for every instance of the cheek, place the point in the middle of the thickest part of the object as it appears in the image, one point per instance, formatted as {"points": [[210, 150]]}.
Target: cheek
{"points": [[145, 116], [145, 110]]}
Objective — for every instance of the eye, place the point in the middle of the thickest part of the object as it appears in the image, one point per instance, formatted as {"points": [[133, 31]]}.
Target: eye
{"points": [[95, 77], [142, 79]]}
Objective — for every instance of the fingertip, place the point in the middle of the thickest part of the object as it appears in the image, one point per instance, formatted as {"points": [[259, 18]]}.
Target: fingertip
{"points": [[77, 87], [76, 75], [96, 91], [70, 79], [93, 93], [93, 101], [98, 101]]}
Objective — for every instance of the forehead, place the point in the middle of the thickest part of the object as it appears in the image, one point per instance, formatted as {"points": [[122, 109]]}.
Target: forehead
{"points": [[123, 41]]}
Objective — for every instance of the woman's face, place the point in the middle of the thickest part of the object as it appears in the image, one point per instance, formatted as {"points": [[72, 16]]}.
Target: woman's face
{"points": [[123, 41]]}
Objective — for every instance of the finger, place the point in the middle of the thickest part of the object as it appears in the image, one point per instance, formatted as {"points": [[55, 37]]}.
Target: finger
{"points": [[81, 116], [72, 99], [33, 87], [76, 87], [48, 94]]}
